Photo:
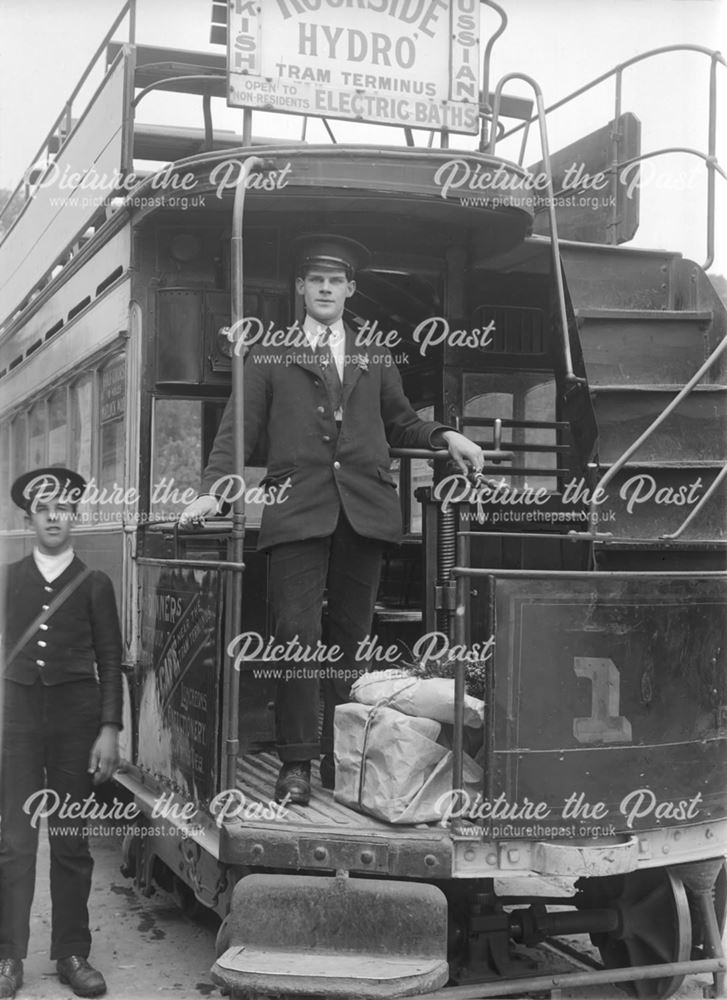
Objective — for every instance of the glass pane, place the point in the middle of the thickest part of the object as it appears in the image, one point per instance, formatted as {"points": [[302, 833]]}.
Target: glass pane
{"points": [[81, 400], [36, 438], [422, 474], [177, 462], [521, 397], [112, 406], [18, 453], [57, 428], [82, 425], [176, 456], [19, 450]]}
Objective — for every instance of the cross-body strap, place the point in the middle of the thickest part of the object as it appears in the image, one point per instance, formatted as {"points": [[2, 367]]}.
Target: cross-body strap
{"points": [[60, 599]]}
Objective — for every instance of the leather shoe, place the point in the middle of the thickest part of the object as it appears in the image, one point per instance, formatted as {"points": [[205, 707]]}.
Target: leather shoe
{"points": [[328, 771], [294, 782], [84, 980], [11, 976]]}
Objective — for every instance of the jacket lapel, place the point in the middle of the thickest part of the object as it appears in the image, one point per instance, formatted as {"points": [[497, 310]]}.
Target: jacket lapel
{"points": [[354, 368]]}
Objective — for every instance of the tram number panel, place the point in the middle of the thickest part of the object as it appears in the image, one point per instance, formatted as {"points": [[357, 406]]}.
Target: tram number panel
{"points": [[609, 705]]}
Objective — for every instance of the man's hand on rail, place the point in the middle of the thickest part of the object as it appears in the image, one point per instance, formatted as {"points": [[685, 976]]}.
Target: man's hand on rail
{"points": [[203, 507], [464, 452]]}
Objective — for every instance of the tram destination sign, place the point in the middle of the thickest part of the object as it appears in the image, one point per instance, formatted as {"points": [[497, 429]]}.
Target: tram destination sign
{"points": [[396, 62]]}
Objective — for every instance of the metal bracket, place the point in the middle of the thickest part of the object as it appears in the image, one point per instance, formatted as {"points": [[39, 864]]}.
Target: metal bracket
{"points": [[445, 597]]}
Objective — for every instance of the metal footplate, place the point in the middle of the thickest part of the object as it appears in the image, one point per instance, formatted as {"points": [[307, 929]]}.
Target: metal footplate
{"points": [[294, 936]]}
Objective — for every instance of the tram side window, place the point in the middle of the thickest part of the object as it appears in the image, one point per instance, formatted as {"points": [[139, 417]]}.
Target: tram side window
{"points": [[112, 407], [178, 458], [176, 455], [81, 444], [58, 428], [37, 435], [19, 459]]}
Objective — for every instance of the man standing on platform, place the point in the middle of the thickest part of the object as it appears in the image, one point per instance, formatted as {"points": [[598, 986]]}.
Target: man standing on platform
{"points": [[61, 693], [328, 409]]}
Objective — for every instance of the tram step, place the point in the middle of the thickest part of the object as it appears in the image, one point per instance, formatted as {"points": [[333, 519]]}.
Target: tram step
{"points": [[647, 501], [618, 277], [307, 935], [642, 347], [695, 431]]}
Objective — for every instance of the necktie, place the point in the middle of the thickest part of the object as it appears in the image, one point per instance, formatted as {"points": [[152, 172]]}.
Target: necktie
{"points": [[330, 371]]}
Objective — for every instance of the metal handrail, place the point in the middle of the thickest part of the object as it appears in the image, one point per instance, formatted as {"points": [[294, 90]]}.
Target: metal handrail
{"points": [[656, 423], [700, 503], [485, 108], [710, 157], [571, 378]]}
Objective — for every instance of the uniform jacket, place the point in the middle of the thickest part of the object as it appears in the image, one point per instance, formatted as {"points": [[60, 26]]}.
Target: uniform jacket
{"points": [[287, 406], [79, 639]]}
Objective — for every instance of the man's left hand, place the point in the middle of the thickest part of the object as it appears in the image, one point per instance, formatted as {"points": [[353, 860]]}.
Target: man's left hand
{"points": [[464, 452], [104, 757]]}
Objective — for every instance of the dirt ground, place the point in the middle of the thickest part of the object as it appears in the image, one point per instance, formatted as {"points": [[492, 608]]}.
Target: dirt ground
{"points": [[147, 948]]}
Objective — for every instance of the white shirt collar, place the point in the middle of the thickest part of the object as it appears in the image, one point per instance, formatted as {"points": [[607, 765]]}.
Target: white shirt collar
{"points": [[313, 330], [51, 567]]}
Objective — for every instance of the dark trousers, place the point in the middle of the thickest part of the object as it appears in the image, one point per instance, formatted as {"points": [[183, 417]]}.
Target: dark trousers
{"points": [[47, 737], [349, 567]]}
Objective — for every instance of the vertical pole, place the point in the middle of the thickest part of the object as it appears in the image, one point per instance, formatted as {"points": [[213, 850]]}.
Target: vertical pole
{"points": [[711, 160], [246, 128], [460, 639], [233, 603]]}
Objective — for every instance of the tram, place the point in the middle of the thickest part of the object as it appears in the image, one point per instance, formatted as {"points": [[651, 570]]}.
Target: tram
{"points": [[595, 382]]}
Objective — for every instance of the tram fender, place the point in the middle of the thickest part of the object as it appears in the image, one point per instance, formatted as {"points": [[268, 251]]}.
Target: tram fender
{"points": [[334, 937]]}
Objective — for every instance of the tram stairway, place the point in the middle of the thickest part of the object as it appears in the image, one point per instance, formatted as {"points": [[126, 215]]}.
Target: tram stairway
{"points": [[647, 321]]}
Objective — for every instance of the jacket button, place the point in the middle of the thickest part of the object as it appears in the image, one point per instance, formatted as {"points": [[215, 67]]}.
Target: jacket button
{"points": [[326, 438], [45, 607], [316, 383], [40, 663], [45, 627], [336, 465], [48, 590], [41, 643], [320, 409]]}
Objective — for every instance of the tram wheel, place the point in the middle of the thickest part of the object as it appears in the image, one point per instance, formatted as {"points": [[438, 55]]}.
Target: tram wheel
{"points": [[719, 895], [655, 926]]}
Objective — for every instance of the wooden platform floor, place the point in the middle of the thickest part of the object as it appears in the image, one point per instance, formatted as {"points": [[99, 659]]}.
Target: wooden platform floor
{"points": [[256, 776]]}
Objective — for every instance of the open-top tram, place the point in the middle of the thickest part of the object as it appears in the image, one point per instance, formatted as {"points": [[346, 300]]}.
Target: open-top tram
{"points": [[585, 568]]}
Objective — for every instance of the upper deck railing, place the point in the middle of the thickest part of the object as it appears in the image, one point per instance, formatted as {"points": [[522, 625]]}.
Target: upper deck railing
{"points": [[61, 129], [710, 157]]}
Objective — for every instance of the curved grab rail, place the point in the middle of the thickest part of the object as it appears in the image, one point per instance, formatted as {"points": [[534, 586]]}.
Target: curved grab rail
{"points": [[710, 158], [571, 378], [486, 68], [714, 54]]}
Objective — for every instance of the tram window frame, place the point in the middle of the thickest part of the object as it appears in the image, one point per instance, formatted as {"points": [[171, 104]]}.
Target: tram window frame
{"points": [[111, 425], [87, 378], [52, 402], [516, 385], [82, 437], [253, 474], [37, 412]]}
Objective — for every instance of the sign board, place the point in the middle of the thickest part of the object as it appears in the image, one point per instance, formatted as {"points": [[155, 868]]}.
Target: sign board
{"points": [[593, 203], [179, 682], [397, 62]]}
